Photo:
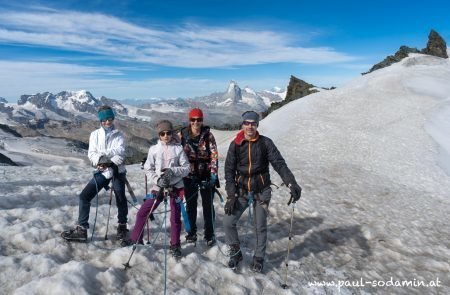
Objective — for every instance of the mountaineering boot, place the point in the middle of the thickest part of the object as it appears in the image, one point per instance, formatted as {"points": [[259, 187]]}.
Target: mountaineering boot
{"points": [[210, 241], [235, 256], [175, 251], [191, 237], [77, 234], [122, 231], [257, 264], [130, 242]]}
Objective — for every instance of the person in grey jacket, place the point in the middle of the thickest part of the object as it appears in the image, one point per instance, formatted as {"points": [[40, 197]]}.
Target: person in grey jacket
{"points": [[165, 167], [247, 181]]}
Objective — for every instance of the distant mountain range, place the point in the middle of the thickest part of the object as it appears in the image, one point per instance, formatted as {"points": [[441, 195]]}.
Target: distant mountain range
{"points": [[222, 109], [73, 114]]}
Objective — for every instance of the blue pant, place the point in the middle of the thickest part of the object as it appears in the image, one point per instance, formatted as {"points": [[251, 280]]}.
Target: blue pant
{"points": [[90, 191]]}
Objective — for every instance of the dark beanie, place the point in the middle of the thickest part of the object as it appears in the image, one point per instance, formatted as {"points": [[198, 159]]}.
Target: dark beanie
{"points": [[250, 115], [164, 125]]}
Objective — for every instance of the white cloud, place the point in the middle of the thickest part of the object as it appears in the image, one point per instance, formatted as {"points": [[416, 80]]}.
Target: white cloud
{"points": [[22, 77], [190, 46]]}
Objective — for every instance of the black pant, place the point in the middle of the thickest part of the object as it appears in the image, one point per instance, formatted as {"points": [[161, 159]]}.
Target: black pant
{"points": [[90, 191], [191, 187]]}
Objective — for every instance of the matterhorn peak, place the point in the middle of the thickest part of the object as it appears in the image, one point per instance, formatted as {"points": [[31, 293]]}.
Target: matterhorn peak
{"points": [[232, 86], [233, 93]]}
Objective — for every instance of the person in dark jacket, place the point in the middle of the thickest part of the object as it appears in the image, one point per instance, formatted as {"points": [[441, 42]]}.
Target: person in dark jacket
{"points": [[248, 183], [200, 146]]}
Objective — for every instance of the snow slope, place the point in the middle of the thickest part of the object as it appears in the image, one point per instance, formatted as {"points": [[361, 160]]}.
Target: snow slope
{"points": [[370, 157]]}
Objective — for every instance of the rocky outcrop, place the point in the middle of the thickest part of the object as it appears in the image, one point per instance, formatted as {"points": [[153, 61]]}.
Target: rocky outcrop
{"points": [[398, 56], [5, 161], [297, 88], [3, 100], [9, 130], [436, 45], [6, 109]]}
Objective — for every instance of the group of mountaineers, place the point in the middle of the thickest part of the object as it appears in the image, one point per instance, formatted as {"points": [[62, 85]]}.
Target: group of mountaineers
{"points": [[177, 167]]}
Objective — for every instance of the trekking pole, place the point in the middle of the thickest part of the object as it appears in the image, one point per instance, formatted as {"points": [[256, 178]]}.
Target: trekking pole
{"points": [[96, 207], [285, 286], [109, 211], [127, 264], [146, 192], [165, 240], [148, 226]]}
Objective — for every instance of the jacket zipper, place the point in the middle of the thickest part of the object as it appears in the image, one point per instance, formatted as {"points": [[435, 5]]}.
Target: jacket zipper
{"points": [[249, 165]]}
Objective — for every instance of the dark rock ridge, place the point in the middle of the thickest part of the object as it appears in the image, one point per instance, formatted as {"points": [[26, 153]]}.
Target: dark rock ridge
{"points": [[297, 88], [398, 56], [5, 161], [436, 46], [9, 130], [6, 109]]}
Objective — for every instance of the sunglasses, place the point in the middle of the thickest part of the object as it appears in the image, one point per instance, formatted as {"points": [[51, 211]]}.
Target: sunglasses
{"points": [[248, 123], [164, 133], [196, 119], [109, 119]]}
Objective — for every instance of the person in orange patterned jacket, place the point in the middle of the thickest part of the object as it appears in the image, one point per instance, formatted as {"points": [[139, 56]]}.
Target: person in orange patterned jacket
{"points": [[200, 146]]}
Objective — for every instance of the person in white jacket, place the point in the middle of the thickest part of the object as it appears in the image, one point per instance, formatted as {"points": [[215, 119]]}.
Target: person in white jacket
{"points": [[107, 154], [165, 167]]}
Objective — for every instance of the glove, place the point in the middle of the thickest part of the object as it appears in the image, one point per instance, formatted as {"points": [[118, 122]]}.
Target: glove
{"points": [[104, 160], [296, 192], [213, 180], [230, 205], [164, 180], [143, 162]]}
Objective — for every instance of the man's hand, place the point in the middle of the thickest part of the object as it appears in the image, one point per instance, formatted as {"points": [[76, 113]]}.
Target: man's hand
{"points": [[230, 205], [296, 192]]}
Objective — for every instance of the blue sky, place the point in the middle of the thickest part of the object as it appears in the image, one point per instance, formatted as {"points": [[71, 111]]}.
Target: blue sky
{"points": [[144, 49]]}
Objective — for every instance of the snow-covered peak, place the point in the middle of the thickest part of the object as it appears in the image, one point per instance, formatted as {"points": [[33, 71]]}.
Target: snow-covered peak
{"points": [[276, 89], [251, 98], [233, 93], [249, 91], [77, 101], [275, 94], [81, 96], [232, 87]]}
